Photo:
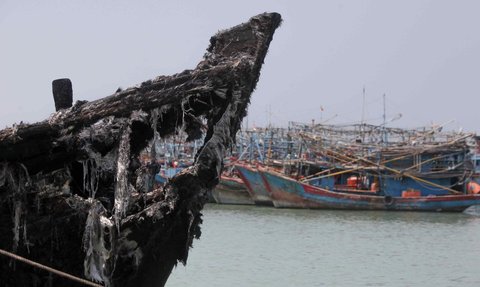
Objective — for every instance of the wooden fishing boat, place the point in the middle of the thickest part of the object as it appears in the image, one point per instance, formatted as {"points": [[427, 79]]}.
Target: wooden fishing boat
{"points": [[413, 170], [72, 192], [231, 190], [291, 193], [255, 184]]}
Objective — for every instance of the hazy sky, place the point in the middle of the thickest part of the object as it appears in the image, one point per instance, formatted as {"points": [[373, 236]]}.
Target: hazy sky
{"points": [[424, 55]]}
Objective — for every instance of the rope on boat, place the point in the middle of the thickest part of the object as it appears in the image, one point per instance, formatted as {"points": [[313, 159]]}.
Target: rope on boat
{"points": [[318, 174], [49, 269], [409, 175]]}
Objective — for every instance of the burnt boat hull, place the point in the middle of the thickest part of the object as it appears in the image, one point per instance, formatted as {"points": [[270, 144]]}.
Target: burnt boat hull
{"points": [[231, 191], [72, 187], [290, 193], [255, 185]]}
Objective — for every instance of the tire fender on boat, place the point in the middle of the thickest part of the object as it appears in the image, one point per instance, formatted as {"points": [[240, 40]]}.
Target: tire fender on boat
{"points": [[388, 200]]}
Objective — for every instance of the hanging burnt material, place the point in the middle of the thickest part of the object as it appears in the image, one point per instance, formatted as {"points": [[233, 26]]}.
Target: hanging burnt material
{"points": [[68, 185]]}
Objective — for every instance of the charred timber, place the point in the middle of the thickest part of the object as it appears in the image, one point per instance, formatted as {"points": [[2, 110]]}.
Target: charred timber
{"points": [[71, 192]]}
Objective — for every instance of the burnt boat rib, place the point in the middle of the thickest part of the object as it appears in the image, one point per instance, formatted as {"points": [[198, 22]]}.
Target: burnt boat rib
{"points": [[69, 181]]}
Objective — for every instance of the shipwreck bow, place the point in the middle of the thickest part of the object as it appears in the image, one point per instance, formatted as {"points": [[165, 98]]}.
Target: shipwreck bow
{"points": [[69, 190]]}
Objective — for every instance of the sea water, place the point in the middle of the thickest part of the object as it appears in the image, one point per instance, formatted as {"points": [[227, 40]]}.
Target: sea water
{"points": [[260, 246]]}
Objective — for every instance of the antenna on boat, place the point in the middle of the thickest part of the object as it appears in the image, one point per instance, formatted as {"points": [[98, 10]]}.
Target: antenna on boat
{"points": [[269, 116], [363, 107], [384, 111], [384, 120], [362, 124]]}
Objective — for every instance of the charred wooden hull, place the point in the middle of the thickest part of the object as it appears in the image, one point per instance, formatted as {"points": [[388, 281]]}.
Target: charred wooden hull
{"points": [[71, 190], [231, 190], [290, 193]]}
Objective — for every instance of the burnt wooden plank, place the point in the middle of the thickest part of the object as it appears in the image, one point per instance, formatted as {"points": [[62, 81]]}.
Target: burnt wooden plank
{"points": [[67, 184]]}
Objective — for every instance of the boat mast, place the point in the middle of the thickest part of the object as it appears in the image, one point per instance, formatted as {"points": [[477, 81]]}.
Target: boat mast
{"points": [[382, 182], [384, 121], [362, 124]]}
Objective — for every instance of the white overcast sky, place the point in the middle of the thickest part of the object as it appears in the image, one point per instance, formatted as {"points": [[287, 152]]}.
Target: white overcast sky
{"points": [[424, 55]]}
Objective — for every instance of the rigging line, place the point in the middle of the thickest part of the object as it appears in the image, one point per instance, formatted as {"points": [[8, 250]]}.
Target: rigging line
{"points": [[314, 176], [411, 176], [49, 269], [360, 167], [428, 160]]}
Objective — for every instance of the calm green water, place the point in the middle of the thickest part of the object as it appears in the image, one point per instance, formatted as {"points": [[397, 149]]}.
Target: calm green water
{"points": [[254, 246]]}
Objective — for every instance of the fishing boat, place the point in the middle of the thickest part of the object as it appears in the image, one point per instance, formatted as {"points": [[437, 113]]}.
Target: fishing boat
{"points": [[169, 170], [290, 193], [231, 190], [428, 174], [473, 185], [255, 184], [273, 147], [75, 199]]}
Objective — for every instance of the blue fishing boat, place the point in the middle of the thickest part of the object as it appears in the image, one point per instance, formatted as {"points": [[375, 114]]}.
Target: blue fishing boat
{"points": [[291, 193], [231, 190], [413, 170], [254, 183]]}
